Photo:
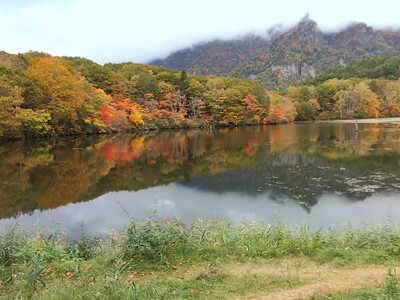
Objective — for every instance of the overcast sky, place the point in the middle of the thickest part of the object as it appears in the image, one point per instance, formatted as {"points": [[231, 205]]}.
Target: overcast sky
{"points": [[140, 30]]}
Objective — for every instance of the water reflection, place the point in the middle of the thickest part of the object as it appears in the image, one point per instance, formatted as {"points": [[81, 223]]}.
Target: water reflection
{"points": [[113, 210], [233, 173]]}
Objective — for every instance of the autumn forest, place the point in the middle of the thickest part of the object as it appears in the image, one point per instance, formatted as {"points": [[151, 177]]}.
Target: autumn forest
{"points": [[42, 95]]}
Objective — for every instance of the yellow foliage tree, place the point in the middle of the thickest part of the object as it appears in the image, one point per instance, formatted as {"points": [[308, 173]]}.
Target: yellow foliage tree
{"points": [[57, 90]]}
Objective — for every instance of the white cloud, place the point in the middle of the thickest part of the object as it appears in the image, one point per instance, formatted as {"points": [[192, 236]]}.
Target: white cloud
{"points": [[123, 30]]}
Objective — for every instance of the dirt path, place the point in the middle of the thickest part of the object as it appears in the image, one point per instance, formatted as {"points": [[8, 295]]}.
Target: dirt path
{"points": [[319, 280], [336, 282]]}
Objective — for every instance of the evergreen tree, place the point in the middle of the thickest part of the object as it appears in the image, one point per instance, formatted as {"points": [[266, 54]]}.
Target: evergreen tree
{"points": [[183, 82]]}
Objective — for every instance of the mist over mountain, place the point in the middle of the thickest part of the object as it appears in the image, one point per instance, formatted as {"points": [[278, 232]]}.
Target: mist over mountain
{"points": [[282, 58]]}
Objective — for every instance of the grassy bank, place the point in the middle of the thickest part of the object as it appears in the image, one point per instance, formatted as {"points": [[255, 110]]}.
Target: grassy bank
{"points": [[218, 260]]}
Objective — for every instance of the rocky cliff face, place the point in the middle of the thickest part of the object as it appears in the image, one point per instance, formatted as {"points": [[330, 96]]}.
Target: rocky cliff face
{"points": [[216, 57], [11, 60], [286, 57]]}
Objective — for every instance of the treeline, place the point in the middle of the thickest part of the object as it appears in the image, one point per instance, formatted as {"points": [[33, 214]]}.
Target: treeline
{"points": [[387, 67], [368, 88], [43, 95], [352, 98]]}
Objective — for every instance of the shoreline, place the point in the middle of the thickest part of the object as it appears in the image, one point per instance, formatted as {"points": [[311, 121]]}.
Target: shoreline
{"points": [[361, 121]]}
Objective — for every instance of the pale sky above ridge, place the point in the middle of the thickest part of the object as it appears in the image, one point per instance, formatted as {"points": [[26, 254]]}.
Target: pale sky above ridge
{"points": [[123, 30]]}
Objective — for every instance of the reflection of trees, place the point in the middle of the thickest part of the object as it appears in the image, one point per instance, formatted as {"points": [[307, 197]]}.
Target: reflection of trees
{"points": [[70, 171], [69, 175], [305, 178], [308, 161], [15, 166], [297, 161], [45, 177]]}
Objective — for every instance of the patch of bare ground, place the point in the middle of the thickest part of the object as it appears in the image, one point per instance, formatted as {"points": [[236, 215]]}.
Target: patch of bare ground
{"points": [[318, 279]]}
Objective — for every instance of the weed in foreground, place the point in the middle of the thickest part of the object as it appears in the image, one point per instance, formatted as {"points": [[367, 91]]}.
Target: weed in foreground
{"points": [[41, 266]]}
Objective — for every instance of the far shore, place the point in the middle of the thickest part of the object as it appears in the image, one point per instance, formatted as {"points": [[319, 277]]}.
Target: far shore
{"points": [[363, 121]]}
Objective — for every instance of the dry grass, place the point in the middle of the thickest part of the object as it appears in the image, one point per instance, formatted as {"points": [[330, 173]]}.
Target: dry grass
{"points": [[318, 279]]}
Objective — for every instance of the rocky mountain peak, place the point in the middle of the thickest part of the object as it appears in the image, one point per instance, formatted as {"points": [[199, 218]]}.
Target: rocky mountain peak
{"points": [[306, 23], [360, 27], [288, 56]]}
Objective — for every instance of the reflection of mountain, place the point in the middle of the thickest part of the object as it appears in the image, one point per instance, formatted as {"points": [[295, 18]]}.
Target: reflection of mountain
{"points": [[297, 161], [303, 178]]}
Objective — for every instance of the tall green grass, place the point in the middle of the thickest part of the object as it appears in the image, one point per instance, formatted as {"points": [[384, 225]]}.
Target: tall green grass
{"points": [[43, 266], [155, 241]]}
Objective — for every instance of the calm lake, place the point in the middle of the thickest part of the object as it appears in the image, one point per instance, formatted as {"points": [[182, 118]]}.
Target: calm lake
{"points": [[326, 174]]}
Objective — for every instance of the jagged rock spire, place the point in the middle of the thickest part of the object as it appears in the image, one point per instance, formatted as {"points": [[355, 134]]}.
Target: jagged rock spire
{"points": [[307, 22]]}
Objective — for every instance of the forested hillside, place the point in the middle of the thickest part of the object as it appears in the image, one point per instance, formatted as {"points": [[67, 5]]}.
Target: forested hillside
{"points": [[281, 58], [43, 95], [387, 67], [352, 98], [362, 89]]}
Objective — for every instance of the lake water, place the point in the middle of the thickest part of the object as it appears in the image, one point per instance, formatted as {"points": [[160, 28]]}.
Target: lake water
{"points": [[325, 174]]}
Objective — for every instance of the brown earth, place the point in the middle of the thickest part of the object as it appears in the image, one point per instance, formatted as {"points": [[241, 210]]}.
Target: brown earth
{"points": [[318, 279]]}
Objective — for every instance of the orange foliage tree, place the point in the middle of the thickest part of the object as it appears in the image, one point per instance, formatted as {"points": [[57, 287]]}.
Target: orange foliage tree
{"points": [[254, 112]]}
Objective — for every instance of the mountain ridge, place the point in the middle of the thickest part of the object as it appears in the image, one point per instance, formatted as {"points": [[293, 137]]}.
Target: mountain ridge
{"points": [[282, 58]]}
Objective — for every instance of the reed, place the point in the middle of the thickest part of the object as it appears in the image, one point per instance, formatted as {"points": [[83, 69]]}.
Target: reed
{"points": [[164, 259]]}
